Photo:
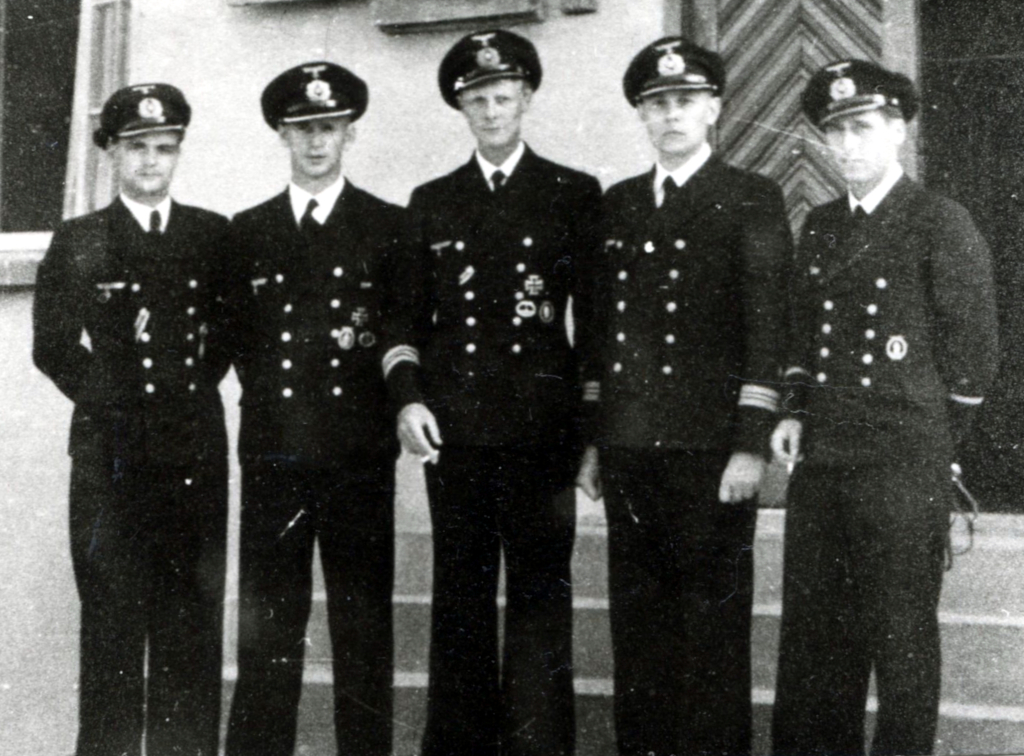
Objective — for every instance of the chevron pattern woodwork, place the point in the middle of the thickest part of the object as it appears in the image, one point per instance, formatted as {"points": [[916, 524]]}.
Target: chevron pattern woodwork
{"points": [[771, 48]]}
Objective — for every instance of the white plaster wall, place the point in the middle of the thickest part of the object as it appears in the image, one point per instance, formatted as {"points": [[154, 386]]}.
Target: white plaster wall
{"points": [[222, 56]]}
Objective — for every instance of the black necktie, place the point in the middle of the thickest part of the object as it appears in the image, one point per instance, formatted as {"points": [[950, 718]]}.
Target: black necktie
{"points": [[859, 214], [670, 189], [307, 223], [498, 180], [154, 222]]}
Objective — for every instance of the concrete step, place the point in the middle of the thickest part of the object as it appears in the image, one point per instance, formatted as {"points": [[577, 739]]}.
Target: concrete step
{"points": [[595, 735], [982, 618], [957, 734], [975, 586], [981, 663], [414, 563]]}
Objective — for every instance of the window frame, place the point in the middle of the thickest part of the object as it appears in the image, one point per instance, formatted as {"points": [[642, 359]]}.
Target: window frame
{"points": [[411, 16], [101, 66], [101, 69]]}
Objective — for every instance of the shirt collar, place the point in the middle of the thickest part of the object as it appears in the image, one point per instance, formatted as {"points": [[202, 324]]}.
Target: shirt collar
{"points": [[143, 212], [683, 173], [507, 167], [874, 198], [325, 200]]}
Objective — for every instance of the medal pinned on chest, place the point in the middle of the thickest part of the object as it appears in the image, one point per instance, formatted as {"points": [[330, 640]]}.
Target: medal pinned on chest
{"points": [[141, 321], [347, 337], [107, 289], [526, 309], [360, 317], [896, 348], [533, 285]]}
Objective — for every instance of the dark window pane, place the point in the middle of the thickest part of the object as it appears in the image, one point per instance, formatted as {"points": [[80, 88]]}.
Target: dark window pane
{"points": [[39, 46]]}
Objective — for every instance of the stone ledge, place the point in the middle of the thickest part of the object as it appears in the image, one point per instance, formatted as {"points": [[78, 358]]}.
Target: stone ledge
{"points": [[20, 255]]}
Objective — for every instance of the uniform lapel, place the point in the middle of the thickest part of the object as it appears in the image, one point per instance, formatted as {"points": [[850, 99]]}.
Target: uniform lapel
{"points": [[345, 226], [340, 217], [178, 228], [520, 180], [872, 237], [637, 212], [703, 192], [471, 179], [125, 236], [281, 220], [97, 254], [286, 239]]}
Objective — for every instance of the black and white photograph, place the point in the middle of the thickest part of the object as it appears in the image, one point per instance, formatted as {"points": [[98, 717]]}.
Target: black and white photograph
{"points": [[511, 377]]}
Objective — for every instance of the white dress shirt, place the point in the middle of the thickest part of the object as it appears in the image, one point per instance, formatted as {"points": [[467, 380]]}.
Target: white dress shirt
{"points": [[874, 198], [326, 200], [507, 167], [142, 212], [681, 174]]}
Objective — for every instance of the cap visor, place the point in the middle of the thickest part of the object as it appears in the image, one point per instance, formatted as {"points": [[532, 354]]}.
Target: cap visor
{"points": [[146, 130], [863, 107], [317, 116], [489, 77], [689, 86]]}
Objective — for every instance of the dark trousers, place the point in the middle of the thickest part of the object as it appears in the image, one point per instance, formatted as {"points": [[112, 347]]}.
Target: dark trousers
{"points": [[485, 503], [148, 548], [350, 512], [681, 592], [864, 551]]}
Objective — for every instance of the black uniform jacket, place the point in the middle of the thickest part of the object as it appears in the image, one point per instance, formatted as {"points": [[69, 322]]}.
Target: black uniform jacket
{"points": [[693, 299], [496, 273], [892, 316], [144, 377], [306, 329]]}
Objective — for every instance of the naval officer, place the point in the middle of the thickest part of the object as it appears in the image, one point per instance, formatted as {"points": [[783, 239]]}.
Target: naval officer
{"points": [[125, 319], [693, 302], [506, 240], [893, 347], [317, 444]]}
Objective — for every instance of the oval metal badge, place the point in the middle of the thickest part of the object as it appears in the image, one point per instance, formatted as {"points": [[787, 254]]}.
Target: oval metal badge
{"points": [[347, 337], [526, 309], [842, 88], [896, 347], [547, 312], [367, 339], [671, 64]]}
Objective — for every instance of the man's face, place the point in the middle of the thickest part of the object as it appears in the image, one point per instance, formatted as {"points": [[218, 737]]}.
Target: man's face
{"points": [[494, 111], [863, 146], [316, 147], [145, 163], [678, 122]]}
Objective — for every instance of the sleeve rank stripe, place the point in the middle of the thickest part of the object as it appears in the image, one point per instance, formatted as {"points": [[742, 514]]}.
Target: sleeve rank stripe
{"points": [[592, 391], [794, 371], [752, 395], [972, 401], [399, 354]]}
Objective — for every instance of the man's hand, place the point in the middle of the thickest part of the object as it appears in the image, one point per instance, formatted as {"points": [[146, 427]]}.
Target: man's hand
{"points": [[589, 478], [786, 442], [742, 478], [418, 432]]}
